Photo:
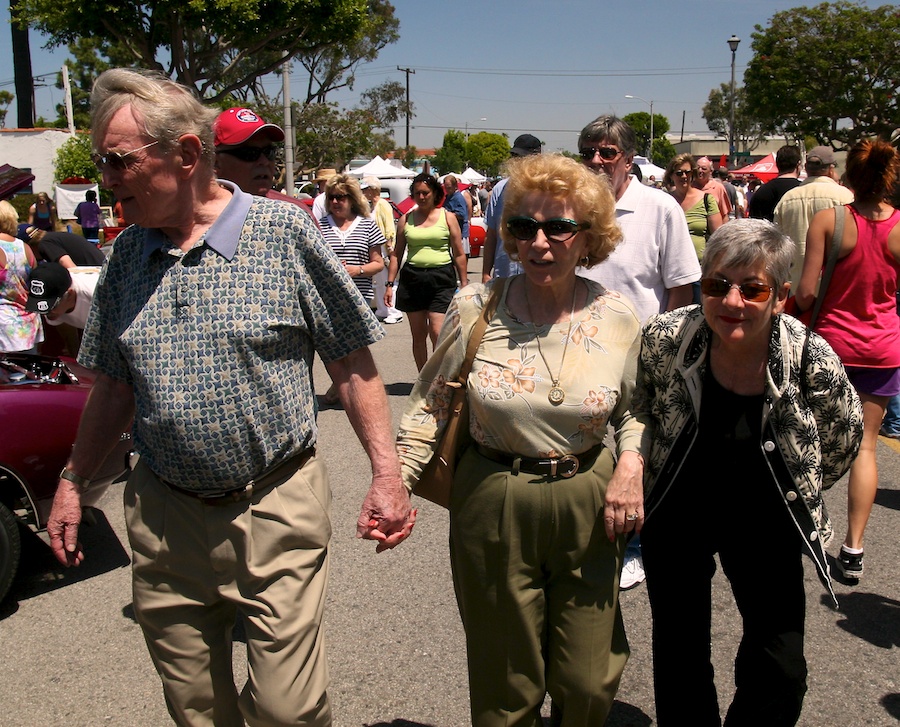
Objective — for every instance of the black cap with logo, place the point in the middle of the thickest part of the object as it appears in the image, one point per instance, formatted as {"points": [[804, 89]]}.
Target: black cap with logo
{"points": [[47, 284]]}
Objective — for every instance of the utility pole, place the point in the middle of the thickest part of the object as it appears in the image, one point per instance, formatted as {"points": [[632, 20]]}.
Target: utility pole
{"points": [[407, 71], [288, 126], [70, 118]]}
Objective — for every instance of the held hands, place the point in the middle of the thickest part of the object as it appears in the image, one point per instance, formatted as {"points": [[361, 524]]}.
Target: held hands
{"points": [[62, 527], [386, 515], [624, 510]]}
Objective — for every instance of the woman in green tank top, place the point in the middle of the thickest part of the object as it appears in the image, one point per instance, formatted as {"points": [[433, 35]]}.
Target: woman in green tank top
{"points": [[435, 265]]}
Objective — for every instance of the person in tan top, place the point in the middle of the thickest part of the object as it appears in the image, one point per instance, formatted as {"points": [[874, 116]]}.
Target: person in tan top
{"points": [[539, 511]]}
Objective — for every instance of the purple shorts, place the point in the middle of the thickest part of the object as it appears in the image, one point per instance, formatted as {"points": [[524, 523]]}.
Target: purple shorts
{"points": [[874, 382]]}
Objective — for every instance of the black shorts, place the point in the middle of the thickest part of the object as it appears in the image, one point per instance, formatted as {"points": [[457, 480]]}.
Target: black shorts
{"points": [[426, 289]]}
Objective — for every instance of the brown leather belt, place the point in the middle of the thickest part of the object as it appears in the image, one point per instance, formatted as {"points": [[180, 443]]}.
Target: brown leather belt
{"points": [[275, 476], [566, 466]]}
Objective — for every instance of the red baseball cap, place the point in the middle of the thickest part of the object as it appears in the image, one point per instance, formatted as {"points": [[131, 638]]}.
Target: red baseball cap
{"points": [[236, 125]]}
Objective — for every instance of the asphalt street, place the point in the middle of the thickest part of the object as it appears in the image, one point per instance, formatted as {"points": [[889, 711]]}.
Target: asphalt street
{"points": [[71, 652]]}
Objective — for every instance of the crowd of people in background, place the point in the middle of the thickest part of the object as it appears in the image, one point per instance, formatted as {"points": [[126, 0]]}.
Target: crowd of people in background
{"points": [[636, 336]]}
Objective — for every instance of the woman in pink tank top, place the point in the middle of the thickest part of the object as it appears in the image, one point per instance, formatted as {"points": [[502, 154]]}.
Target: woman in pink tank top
{"points": [[859, 314]]}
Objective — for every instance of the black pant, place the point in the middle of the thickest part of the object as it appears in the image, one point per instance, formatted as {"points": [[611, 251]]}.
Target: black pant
{"points": [[766, 575]]}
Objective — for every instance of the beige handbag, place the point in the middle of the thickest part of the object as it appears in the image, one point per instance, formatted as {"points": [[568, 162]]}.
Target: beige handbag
{"points": [[436, 479]]}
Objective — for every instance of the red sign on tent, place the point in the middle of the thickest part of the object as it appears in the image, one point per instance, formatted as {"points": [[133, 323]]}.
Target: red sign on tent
{"points": [[764, 169]]}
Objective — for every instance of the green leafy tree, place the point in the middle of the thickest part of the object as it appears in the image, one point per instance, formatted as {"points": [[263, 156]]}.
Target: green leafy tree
{"points": [[73, 159], [334, 66], [451, 157], [215, 46], [328, 136], [90, 57], [663, 151], [408, 155], [386, 103], [831, 71], [749, 131], [640, 122], [6, 98], [486, 152]]}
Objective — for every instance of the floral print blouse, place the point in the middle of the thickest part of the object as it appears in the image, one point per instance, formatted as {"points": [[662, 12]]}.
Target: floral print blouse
{"points": [[509, 384]]}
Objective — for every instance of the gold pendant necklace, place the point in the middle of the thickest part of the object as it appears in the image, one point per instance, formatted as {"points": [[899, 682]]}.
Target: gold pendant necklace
{"points": [[556, 395]]}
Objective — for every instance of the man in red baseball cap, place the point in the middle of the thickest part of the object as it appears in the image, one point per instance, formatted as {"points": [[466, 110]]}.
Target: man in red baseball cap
{"points": [[245, 150], [245, 153]]}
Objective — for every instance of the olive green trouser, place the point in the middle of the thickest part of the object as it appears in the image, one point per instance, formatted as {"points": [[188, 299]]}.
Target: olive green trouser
{"points": [[537, 583]]}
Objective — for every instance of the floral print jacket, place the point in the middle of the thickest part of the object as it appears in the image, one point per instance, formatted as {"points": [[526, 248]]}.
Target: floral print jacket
{"points": [[812, 416]]}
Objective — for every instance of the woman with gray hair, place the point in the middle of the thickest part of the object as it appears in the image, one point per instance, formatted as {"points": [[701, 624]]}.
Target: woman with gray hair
{"points": [[754, 417]]}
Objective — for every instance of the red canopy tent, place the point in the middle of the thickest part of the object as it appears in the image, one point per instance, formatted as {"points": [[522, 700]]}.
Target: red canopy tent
{"points": [[764, 169], [12, 180]]}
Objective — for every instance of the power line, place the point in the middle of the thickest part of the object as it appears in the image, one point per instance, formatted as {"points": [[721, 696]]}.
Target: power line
{"points": [[707, 70]]}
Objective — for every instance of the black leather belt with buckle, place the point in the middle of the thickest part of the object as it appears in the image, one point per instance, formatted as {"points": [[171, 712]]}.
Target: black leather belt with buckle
{"points": [[565, 467], [275, 476]]}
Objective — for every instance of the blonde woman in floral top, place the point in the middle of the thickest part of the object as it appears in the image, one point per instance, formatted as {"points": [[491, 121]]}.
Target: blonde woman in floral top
{"points": [[539, 510]]}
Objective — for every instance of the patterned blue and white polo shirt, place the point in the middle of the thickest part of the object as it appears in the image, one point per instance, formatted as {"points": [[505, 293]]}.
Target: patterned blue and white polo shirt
{"points": [[218, 341]]}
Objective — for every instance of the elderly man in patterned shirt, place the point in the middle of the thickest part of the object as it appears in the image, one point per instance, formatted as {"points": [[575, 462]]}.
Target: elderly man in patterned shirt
{"points": [[203, 330]]}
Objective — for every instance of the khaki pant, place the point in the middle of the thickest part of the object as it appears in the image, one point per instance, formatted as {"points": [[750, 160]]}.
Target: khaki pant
{"points": [[196, 566], [537, 583]]}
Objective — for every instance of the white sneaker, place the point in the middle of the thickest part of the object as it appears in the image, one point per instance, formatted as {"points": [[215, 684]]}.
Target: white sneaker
{"points": [[632, 573], [396, 318]]}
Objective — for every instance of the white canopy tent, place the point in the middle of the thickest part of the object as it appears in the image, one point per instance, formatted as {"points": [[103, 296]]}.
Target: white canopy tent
{"points": [[472, 177], [383, 169], [647, 168]]}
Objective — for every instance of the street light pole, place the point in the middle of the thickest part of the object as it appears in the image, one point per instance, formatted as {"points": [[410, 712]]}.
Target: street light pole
{"points": [[733, 43], [650, 145]]}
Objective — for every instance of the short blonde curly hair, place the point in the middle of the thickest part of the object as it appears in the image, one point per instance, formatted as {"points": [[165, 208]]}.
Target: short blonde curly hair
{"points": [[560, 176]]}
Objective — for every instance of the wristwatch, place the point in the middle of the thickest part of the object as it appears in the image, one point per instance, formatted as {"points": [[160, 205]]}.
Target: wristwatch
{"points": [[67, 474], [391, 283]]}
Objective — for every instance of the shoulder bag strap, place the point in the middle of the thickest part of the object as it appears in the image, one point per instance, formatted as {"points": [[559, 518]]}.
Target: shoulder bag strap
{"points": [[480, 327], [706, 207]]}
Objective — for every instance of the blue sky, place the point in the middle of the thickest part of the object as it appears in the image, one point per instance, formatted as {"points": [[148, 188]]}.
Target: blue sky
{"points": [[541, 66]]}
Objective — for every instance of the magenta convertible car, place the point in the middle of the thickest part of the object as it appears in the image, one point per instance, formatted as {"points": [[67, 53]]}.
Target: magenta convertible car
{"points": [[41, 400]]}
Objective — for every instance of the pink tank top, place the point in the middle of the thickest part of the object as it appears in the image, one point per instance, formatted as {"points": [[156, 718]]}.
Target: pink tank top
{"points": [[859, 313]]}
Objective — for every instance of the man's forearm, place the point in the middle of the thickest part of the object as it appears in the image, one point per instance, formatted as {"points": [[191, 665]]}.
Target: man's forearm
{"points": [[108, 412], [365, 401]]}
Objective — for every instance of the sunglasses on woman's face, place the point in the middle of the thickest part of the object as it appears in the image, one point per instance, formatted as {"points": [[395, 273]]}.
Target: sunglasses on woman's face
{"points": [[751, 292], [557, 229], [250, 153], [336, 197], [682, 172]]}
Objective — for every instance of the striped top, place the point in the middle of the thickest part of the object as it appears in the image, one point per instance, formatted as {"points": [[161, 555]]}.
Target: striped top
{"points": [[352, 246]]}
